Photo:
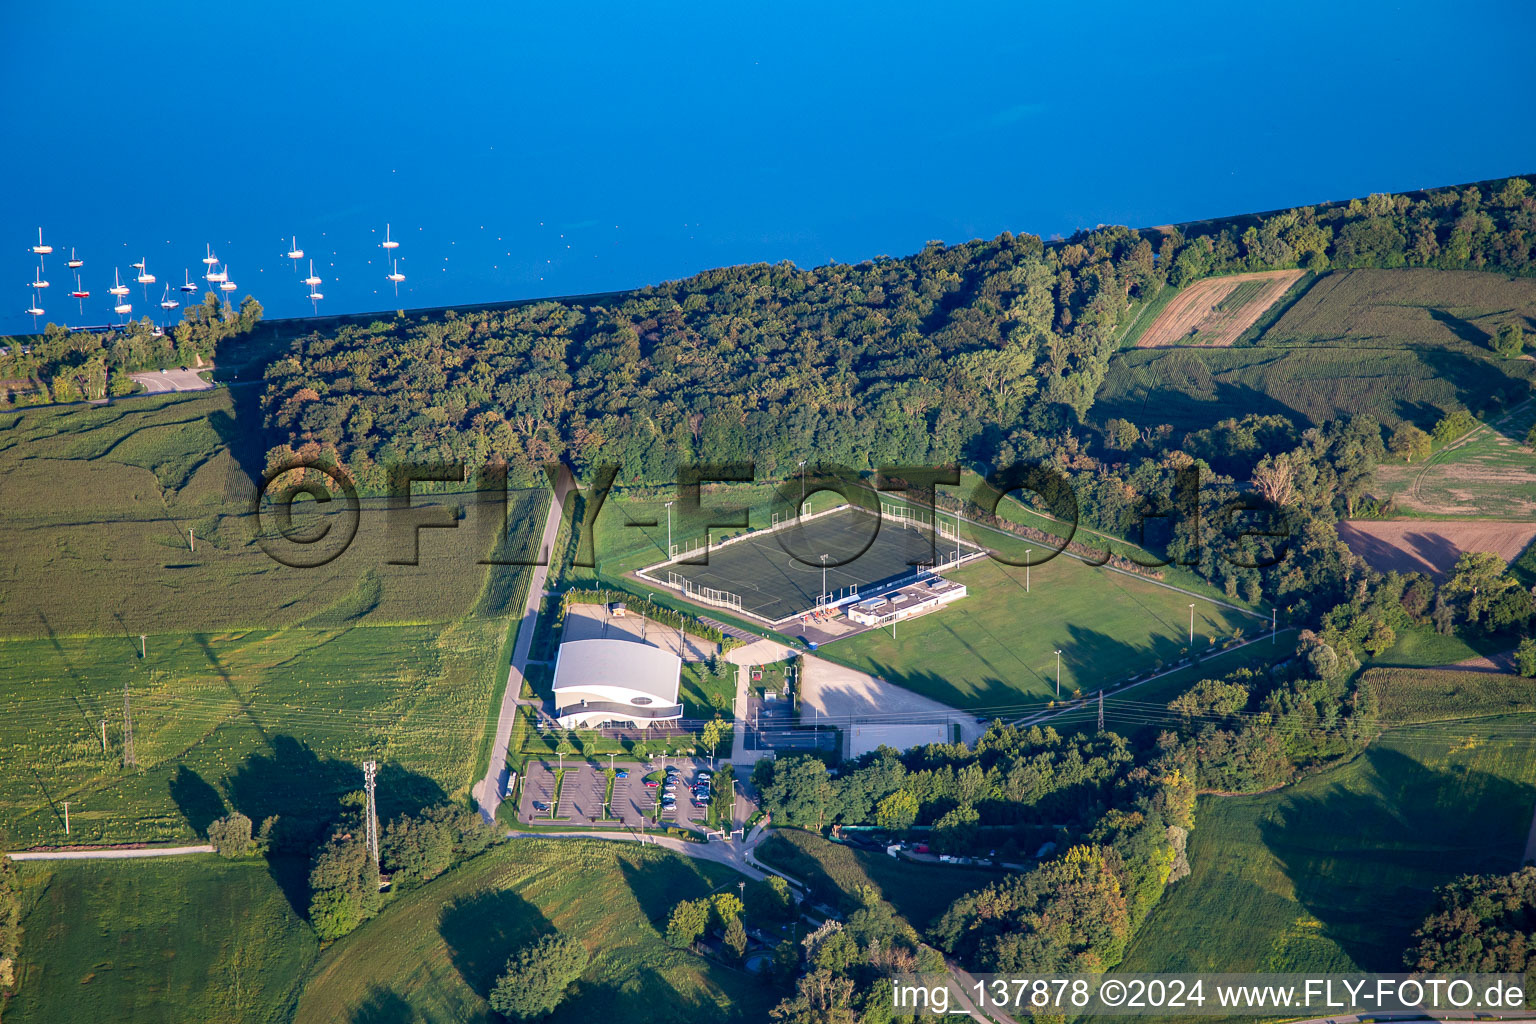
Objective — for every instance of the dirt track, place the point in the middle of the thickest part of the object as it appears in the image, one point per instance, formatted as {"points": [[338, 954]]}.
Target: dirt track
{"points": [[1417, 545], [1194, 311]]}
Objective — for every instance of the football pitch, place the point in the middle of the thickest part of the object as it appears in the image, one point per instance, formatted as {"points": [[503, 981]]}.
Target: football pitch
{"points": [[774, 575]]}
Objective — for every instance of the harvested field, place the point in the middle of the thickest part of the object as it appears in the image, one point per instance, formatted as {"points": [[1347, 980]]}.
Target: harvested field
{"points": [[1217, 310], [1431, 547], [1502, 664]]}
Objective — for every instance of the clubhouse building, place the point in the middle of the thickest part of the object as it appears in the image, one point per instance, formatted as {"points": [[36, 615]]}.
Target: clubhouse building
{"points": [[615, 682]]}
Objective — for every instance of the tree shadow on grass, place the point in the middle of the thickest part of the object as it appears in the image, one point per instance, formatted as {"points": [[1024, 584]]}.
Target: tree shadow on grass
{"points": [[658, 883], [482, 931], [383, 1006], [242, 435], [1466, 330], [303, 789], [646, 996], [198, 802], [819, 883], [1365, 864]]}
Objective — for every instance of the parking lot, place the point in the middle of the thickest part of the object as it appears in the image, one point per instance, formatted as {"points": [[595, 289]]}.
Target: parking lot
{"points": [[634, 803], [173, 379]]}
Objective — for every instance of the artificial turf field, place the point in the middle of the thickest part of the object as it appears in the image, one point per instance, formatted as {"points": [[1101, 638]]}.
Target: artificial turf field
{"points": [[996, 646], [778, 574]]}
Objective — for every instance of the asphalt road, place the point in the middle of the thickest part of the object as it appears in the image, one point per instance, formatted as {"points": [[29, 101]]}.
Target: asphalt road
{"points": [[147, 851], [491, 789]]}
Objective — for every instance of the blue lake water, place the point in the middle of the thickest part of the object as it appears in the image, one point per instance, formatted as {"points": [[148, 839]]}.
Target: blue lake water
{"points": [[519, 150]]}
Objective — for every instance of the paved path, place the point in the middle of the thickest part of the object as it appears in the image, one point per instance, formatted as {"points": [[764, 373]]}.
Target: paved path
{"points": [[737, 856], [147, 851], [758, 652], [490, 790]]}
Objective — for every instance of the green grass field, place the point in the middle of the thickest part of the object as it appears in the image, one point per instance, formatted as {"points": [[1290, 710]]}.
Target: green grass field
{"points": [[433, 955], [995, 646], [1422, 647], [1334, 873], [157, 942], [834, 872], [1395, 344], [208, 940]]}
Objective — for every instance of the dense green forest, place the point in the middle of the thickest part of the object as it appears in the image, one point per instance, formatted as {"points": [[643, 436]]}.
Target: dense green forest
{"points": [[928, 358]]}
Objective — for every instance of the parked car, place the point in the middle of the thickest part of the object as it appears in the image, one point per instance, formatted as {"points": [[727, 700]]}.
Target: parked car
{"points": [[651, 783], [621, 774], [539, 805]]}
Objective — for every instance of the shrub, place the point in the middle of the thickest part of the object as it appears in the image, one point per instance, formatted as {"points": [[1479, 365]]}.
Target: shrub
{"points": [[1453, 426], [736, 937], [1525, 658], [231, 836], [344, 882], [1509, 341], [537, 976], [688, 921]]}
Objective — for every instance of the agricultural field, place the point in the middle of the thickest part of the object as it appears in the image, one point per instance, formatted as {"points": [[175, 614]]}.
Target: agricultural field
{"points": [[995, 647], [1381, 346], [151, 501], [1431, 546], [1335, 872], [1395, 308], [159, 941], [253, 684], [433, 955], [1435, 695], [834, 872], [1488, 474], [1215, 311], [265, 722]]}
